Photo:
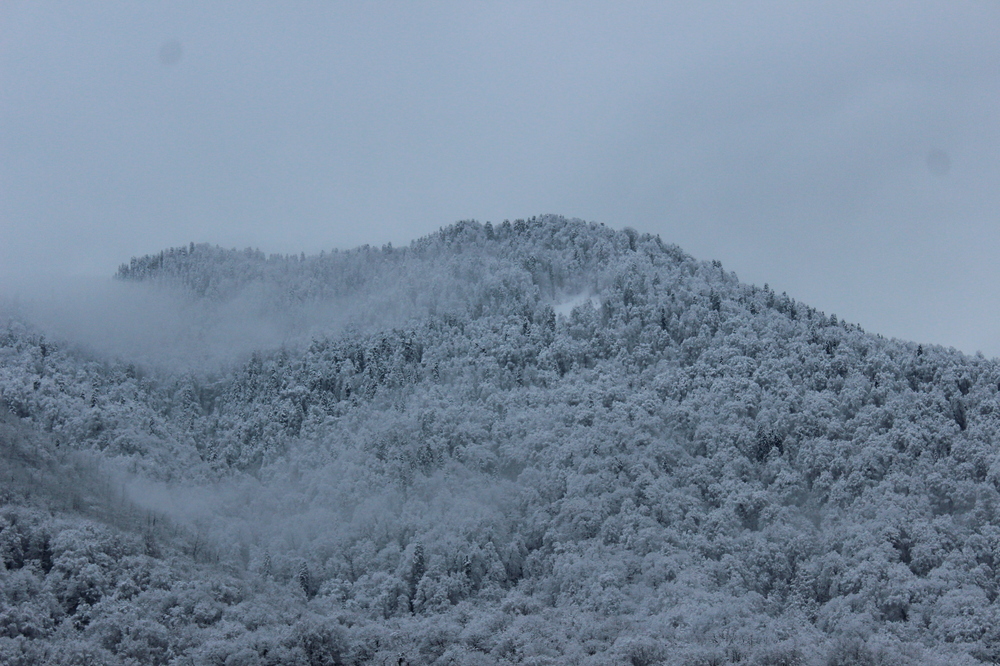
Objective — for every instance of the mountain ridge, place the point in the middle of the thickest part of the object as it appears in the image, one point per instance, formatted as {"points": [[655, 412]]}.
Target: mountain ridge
{"points": [[682, 469]]}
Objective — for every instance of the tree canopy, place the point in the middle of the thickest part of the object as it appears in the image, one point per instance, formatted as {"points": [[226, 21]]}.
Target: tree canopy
{"points": [[538, 442]]}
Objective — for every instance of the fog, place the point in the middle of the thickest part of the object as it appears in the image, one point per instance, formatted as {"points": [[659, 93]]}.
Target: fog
{"points": [[540, 441], [846, 153], [163, 327], [546, 438], [328, 504]]}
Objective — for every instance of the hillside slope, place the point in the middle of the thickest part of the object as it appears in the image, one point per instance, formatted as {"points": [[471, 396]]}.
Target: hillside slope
{"points": [[545, 442]]}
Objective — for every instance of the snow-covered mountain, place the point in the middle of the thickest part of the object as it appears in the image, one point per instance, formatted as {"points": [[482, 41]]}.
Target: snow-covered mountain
{"points": [[539, 442]]}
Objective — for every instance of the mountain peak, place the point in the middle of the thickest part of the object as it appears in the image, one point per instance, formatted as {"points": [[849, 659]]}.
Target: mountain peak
{"points": [[571, 435]]}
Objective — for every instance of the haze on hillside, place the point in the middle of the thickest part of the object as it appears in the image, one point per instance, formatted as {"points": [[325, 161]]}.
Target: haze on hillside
{"points": [[300, 366], [844, 152], [544, 441]]}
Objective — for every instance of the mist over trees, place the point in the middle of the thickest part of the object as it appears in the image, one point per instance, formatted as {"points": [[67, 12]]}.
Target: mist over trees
{"points": [[538, 442]]}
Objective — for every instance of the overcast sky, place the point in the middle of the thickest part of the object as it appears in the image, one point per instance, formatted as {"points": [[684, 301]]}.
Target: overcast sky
{"points": [[848, 154]]}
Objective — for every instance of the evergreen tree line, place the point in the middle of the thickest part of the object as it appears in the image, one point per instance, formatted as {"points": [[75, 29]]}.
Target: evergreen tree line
{"points": [[535, 442]]}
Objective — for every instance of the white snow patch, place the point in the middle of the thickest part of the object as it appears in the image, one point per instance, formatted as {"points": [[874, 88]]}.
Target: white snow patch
{"points": [[565, 308]]}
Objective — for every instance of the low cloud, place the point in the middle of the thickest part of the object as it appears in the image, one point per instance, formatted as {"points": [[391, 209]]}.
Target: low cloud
{"points": [[161, 326]]}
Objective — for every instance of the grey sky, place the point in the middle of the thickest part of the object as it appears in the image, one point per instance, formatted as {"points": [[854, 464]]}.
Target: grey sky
{"points": [[848, 154]]}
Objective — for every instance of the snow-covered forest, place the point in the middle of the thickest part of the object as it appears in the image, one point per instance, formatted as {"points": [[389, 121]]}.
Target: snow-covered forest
{"points": [[538, 442]]}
